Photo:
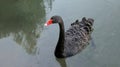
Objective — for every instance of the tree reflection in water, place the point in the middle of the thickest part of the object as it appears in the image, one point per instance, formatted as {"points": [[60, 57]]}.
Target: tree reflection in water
{"points": [[23, 20]]}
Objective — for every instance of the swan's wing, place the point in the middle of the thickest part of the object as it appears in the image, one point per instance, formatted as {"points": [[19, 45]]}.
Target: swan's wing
{"points": [[75, 40], [78, 36]]}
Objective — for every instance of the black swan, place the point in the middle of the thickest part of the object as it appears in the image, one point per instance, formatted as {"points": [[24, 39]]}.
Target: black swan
{"points": [[75, 39]]}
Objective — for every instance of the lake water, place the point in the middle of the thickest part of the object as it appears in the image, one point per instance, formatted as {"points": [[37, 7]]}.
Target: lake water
{"points": [[25, 42]]}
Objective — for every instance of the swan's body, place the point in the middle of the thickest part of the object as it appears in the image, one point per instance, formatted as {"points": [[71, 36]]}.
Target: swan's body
{"points": [[73, 40]]}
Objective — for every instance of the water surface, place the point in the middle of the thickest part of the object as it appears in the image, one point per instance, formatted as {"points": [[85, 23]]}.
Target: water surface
{"points": [[25, 42]]}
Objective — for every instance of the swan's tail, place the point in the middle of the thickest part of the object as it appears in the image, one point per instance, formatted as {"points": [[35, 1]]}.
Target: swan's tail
{"points": [[85, 24], [88, 22]]}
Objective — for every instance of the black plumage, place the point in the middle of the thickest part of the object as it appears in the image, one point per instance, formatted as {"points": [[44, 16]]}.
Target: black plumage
{"points": [[75, 39]]}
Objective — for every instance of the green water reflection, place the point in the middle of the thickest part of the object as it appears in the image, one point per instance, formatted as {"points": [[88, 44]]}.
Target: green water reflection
{"points": [[22, 19]]}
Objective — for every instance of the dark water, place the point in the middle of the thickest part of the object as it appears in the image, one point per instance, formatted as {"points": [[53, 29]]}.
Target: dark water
{"points": [[25, 42]]}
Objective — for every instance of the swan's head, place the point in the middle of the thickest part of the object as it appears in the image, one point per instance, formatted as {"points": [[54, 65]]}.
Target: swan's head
{"points": [[53, 19]]}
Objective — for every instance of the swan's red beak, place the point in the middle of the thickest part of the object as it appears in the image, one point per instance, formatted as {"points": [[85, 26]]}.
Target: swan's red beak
{"points": [[49, 22]]}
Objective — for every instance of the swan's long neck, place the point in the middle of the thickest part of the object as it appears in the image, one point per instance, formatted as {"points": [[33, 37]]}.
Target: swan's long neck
{"points": [[62, 34], [60, 45]]}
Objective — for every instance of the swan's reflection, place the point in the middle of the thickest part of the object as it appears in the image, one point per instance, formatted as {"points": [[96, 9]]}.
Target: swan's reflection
{"points": [[62, 62]]}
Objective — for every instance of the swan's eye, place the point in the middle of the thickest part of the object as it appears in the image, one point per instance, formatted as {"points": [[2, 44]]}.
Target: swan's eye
{"points": [[54, 21]]}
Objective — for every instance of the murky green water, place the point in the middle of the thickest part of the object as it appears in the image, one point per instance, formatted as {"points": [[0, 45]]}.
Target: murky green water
{"points": [[25, 42]]}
